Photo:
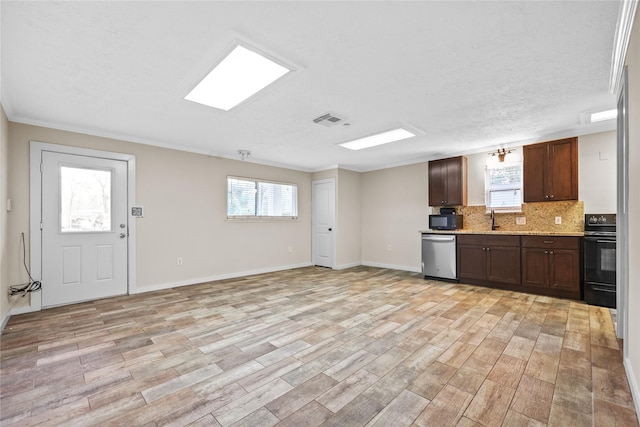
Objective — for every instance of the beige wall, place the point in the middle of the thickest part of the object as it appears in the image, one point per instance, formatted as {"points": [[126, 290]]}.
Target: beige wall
{"points": [[326, 174], [597, 177], [349, 215], [184, 197], [633, 324], [394, 208], [4, 180]]}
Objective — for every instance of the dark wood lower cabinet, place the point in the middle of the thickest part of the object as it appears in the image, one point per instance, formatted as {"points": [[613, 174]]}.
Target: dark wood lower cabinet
{"points": [[548, 265], [485, 258], [552, 265]]}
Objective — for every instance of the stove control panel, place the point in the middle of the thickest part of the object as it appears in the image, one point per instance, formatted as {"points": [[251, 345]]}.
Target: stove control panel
{"points": [[599, 221]]}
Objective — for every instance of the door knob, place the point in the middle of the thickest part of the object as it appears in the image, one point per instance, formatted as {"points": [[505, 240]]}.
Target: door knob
{"points": [[331, 229], [122, 235]]}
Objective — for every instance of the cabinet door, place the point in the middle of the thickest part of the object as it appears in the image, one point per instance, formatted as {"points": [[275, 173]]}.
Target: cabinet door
{"points": [[472, 262], [534, 173], [503, 264], [453, 184], [563, 170], [535, 267], [550, 171], [437, 177], [564, 269]]}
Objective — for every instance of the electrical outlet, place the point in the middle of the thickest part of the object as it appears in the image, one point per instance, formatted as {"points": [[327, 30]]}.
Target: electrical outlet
{"points": [[179, 261], [388, 247], [558, 220], [521, 220]]}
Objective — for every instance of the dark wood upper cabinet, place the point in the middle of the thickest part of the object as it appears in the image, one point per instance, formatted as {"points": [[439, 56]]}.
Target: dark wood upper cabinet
{"points": [[551, 171], [448, 182]]}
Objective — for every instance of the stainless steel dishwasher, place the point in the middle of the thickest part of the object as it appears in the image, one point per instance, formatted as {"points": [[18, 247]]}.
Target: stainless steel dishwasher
{"points": [[439, 256]]}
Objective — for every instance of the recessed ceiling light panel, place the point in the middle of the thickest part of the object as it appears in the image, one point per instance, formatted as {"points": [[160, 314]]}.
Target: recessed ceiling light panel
{"points": [[601, 116], [378, 139], [241, 74]]}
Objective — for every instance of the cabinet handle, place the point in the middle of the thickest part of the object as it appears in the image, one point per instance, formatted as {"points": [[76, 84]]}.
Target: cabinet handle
{"points": [[546, 196], [546, 252], [488, 249], [552, 196], [551, 252], [548, 241]]}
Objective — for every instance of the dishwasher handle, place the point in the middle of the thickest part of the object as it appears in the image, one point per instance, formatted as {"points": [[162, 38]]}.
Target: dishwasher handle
{"points": [[432, 238]]}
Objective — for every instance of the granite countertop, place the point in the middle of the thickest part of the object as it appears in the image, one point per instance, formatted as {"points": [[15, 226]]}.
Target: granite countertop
{"points": [[506, 232]]}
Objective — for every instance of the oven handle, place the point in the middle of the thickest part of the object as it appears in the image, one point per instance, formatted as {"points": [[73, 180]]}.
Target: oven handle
{"points": [[600, 239], [604, 290]]}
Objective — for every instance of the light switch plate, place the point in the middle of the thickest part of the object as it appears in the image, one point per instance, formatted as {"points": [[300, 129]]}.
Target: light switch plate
{"points": [[558, 220], [521, 220]]}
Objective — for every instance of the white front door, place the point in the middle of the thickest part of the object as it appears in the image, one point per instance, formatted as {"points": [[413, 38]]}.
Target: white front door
{"points": [[84, 228], [323, 222]]}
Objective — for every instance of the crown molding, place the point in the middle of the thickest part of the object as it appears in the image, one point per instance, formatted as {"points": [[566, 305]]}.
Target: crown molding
{"points": [[621, 42]]}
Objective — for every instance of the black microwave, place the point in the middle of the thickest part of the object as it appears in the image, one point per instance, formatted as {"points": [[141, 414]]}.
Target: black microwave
{"points": [[445, 221]]}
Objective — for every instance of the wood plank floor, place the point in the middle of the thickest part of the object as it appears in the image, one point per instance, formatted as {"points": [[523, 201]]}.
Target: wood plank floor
{"points": [[312, 346]]}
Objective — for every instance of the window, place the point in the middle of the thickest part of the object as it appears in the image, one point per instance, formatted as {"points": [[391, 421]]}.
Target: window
{"points": [[85, 199], [503, 186], [248, 198]]}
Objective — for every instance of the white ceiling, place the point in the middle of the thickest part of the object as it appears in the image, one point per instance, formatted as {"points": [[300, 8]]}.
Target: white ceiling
{"points": [[469, 75]]}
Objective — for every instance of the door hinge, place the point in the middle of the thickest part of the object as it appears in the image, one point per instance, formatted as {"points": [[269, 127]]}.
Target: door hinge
{"points": [[41, 225]]}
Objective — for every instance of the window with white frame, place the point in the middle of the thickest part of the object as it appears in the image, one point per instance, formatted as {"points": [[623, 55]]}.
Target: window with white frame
{"points": [[503, 186], [250, 198]]}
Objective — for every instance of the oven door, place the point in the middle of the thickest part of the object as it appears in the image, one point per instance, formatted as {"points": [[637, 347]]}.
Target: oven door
{"points": [[600, 260]]}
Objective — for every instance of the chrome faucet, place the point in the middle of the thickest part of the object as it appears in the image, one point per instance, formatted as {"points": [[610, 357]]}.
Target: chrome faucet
{"points": [[493, 221]]}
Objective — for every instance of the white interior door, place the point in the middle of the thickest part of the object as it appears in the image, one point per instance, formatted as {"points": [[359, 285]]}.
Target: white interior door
{"points": [[323, 222], [84, 228]]}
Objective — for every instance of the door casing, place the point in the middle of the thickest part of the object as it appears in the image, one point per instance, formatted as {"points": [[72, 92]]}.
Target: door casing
{"points": [[35, 212]]}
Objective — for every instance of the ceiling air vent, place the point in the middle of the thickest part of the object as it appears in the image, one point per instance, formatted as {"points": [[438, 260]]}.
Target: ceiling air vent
{"points": [[328, 120]]}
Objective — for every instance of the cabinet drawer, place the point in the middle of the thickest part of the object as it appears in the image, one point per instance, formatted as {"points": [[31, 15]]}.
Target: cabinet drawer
{"points": [[555, 242], [488, 240]]}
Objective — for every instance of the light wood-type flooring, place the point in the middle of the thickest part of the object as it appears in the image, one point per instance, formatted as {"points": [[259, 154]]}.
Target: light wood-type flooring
{"points": [[312, 346]]}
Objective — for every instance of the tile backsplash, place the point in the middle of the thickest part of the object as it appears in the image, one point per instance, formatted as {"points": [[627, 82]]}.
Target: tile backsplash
{"points": [[539, 217]]}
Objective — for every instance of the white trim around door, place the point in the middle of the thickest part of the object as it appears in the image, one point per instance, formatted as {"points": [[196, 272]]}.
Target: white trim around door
{"points": [[35, 212]]}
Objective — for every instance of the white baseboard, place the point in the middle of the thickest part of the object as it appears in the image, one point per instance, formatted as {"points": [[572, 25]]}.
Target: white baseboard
{"points": [[169, 285], [17, 310], [633, 385], [5, 319], [393, 267], [23, 309], [345, 266]]}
